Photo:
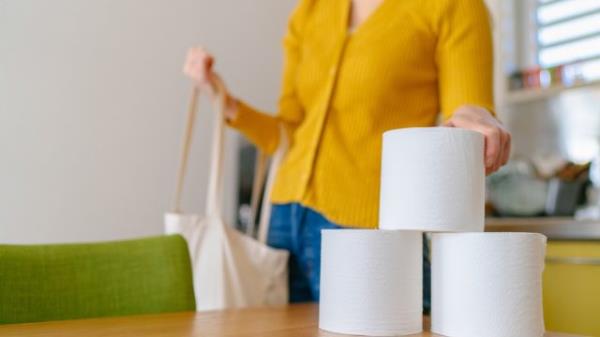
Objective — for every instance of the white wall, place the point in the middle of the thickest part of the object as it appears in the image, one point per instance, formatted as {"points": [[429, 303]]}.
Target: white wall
{"points": [[92, 104]]}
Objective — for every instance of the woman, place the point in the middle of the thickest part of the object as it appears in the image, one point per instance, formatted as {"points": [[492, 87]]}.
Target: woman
{"points": [[354, 69]]}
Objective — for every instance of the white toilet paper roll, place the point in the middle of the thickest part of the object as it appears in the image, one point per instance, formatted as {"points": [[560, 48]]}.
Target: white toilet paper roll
{"points": [[487, 284], [371, 282], [432, 179]]}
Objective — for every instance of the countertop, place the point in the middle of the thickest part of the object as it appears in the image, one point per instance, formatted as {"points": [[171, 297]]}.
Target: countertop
{"points": [[555, 228]]}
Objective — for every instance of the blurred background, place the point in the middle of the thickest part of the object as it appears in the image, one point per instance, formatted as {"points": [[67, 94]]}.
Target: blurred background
{"points": [[548, 60], [92, 106]]}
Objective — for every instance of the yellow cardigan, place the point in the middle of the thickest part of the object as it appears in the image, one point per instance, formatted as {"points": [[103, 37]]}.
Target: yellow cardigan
{"points": [[406, 63]]}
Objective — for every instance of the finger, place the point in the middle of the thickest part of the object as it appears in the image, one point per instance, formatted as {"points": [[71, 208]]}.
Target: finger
{"points": [[196, 51], [189, 71], [492, 148], [503, 151], [190, 61], [199, 56], [191, 57], [201, 72], [193, 72], [507, 147], [449, 123]]}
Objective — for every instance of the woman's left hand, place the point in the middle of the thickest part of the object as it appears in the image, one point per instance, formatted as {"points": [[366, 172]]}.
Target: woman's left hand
{"points": [[497, 138]]}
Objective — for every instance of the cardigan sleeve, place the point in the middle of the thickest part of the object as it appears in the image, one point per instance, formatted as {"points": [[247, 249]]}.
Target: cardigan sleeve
{"points": [[261, 128], [464, 56]]}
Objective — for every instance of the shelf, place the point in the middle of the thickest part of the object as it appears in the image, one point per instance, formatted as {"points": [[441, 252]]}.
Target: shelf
{"points": [[531, 95]]}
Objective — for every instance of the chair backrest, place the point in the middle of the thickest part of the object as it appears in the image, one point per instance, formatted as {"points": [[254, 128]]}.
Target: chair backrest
{"points": [[69, 281]]}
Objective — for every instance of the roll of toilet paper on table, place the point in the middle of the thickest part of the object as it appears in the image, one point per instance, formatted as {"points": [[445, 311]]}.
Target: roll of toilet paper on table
{"points": [[432, 179], [371, 282], [487, 284]]}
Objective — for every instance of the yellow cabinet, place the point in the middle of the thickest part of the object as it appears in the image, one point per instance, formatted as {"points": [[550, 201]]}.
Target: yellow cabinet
{"points": [[572, 287]]}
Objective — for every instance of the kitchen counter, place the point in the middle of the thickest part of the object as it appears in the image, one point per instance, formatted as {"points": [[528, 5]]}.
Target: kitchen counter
{"points": [[555, 228]]}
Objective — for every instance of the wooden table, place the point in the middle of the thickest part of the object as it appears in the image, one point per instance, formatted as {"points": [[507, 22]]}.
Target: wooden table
{"points": [[291, 321]]}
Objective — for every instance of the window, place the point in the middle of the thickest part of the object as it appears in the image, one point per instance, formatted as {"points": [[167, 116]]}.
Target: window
{"points": [[568, 32]]}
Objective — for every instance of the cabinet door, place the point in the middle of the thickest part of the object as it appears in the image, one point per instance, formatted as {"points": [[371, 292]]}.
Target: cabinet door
{"points": [[572, 287]]}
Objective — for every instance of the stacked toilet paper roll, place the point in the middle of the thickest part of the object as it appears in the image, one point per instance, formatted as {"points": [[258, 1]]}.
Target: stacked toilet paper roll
{"points": [[483, 284], [371, 282], [432, 179], [487, 284]]}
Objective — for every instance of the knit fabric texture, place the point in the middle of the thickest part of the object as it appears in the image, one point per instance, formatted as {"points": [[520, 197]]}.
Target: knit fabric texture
{"points": [[70, 281], [409, 61]]}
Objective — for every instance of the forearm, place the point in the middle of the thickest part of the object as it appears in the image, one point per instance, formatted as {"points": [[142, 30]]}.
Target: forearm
{"points": [[260, 128]]}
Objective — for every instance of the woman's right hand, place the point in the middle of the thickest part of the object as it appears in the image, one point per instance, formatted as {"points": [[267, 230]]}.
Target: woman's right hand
{"points": [[198, 66]]}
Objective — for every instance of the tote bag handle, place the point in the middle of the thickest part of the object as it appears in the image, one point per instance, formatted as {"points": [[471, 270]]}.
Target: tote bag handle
{"points": [[213, 200], [214, 196], [276, 159], [214, 183], [185, 147], [260, 170]]}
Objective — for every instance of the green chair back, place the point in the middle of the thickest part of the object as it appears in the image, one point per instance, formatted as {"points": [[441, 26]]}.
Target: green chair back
{"points": [[70, 281]]}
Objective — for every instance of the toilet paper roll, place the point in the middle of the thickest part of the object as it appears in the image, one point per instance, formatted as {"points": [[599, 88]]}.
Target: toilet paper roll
{"points": [[487, 284], [432, 179], [371, 282]]}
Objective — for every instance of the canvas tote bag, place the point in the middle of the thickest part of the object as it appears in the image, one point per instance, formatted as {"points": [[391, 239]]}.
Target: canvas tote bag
{"points": [[231, 270]]}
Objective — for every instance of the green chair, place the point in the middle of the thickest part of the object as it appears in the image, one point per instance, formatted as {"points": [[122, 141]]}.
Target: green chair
{"points": [[70, 281]]}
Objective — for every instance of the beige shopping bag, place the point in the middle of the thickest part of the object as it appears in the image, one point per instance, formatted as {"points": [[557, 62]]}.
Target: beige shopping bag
{"points": [[231, 269]]}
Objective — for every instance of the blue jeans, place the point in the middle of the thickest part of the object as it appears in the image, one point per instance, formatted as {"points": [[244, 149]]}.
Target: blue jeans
{"points": [[298, 229]]}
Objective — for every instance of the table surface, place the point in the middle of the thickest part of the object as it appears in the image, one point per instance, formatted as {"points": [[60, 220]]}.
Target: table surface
{"points": [[300, 320]]}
